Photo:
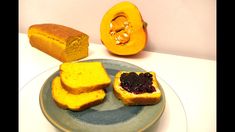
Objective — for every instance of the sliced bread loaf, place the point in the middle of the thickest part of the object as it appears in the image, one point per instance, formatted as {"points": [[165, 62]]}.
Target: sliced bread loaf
{"points": [[61, 42]]}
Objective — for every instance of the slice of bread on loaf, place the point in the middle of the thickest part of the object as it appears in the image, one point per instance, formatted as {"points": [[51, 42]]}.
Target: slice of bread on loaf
{"points": [[75, 102], [80, 77], [129, 98]]}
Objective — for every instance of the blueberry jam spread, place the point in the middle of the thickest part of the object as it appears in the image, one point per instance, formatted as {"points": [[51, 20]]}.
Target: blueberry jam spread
{"points": [[137, 84]]}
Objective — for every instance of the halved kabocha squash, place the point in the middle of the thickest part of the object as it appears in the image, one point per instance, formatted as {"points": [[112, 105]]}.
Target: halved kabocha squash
{"points": [[123, 30]]}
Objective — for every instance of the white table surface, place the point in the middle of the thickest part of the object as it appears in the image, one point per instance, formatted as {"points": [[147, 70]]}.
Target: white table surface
{"points": [[192, 79]]}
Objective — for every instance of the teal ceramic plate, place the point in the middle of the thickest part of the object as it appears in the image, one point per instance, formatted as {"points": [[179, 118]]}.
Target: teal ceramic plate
{"points": [[111, 115]]}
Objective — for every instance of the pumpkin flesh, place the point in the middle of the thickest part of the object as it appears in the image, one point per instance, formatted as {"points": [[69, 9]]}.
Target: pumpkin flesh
{"points": [[123, 30]]}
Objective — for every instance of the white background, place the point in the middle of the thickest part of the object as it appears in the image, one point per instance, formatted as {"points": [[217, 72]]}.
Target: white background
{"points": [[182, 27]]}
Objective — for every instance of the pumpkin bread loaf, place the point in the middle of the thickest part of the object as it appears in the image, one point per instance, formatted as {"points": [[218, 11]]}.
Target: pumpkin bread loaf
{"points": [[61, 42], [134, 90]]}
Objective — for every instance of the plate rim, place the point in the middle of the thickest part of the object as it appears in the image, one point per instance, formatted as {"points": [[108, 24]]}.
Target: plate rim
{"points": [[54, 123], [48, 117]]}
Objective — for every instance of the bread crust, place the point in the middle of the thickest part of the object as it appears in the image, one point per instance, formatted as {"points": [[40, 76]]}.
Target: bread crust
{"points": [[60, 32], [82, 107], [58, 41], [88, 105], [85, 89], [136, 99]]}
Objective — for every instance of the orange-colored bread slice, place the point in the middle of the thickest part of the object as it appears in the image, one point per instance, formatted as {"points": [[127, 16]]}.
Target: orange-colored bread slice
{"points": [[79, 77], [75, 102], [129, 98]]}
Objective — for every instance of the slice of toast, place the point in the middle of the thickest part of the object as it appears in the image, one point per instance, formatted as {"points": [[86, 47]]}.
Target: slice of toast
{"points": [[80, 77], [75, 102], [129, 98]]}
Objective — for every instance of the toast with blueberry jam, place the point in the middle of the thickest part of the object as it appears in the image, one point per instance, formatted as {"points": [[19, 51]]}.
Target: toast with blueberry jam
{"points": [[136, 88]]}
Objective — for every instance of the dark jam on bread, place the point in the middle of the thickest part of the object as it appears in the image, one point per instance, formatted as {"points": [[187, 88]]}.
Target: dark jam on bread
{"points": [[137, 84]]}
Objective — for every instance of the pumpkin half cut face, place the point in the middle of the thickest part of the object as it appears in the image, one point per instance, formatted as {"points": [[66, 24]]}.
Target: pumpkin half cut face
{"points": [[122, 29]]}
